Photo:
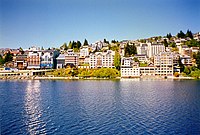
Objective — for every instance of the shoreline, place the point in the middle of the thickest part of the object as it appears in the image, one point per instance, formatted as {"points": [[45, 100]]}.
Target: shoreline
{"points": [[92, 78]]}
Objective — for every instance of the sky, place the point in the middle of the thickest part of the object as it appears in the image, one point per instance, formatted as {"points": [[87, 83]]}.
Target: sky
{"points": [[50, 23]]}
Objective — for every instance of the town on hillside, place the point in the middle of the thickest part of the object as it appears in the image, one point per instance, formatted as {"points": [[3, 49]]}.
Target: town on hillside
{"points": [[167, 56]]}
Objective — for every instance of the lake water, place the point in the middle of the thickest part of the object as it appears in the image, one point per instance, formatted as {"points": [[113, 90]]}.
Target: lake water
{"points": [[100, 107]]}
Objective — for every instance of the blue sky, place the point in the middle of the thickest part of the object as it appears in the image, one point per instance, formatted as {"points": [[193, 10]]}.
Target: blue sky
{"points": [[50, 23]]}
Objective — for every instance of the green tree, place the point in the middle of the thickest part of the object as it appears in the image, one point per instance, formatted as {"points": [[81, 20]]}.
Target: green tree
{"points": [[106, 73], [105, 41], [136, 59], [187, 70], [189, 34], [117, 60], [130, 50], [85, 42], [142, 40], [181, 34], [169, 36], [64, 46], [193, 43], [195, 74], [165, 43], [113, 41], [180, 65], [78, 44], [8, 57], [173, 45], [73, 45], [21, 50], [1, 60], [70, 45]]}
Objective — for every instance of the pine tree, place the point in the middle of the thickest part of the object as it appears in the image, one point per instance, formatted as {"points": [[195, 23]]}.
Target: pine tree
{"points": [[169, 36], [70, 45], [85, 42], [189, 34], [181, 34], [78, 44]]}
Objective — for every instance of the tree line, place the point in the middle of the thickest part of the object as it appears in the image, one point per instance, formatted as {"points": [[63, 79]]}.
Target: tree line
{"points": [[6, 58]]}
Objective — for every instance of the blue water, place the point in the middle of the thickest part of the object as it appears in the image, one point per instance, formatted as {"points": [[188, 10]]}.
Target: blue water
{"points": [[100, 107]]}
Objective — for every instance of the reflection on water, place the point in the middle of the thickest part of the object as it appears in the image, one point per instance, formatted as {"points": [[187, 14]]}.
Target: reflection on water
{"points": [[33, 109], [101, 107]]}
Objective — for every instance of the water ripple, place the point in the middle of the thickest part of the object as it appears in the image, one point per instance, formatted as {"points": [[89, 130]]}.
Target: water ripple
{"points": [[100, 107]]}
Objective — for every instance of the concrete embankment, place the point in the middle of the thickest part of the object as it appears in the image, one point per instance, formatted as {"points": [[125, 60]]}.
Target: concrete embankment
{"points": [[35, 78], [90, 78]]}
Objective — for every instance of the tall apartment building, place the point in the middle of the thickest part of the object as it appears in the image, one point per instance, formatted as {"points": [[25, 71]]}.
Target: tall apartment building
{"points": [[102, 59], [163, 63], [154, 49], [142, 48]]}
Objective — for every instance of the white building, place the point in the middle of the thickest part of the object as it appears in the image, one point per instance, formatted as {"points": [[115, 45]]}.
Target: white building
{"points": [[122, 49], [142, 48], [98, 45], [150, 71], [186, 60], [84, 51], [141, 57], [163, 63], [60, 61], [102, 59], [180, 41], [129, 68], [47, 59], [154, 49]]}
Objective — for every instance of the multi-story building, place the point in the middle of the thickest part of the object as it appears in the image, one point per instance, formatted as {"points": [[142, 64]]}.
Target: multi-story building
{"points": [[71, 58], [142, 48], [141, 57], [60, 61], [154, 49], [34, 60], [180, 41], [84, 57], [21, 61], [147, 71], [98, 45], [84, 51], [197, 36], [102, 59], [163, 63], [184, 50], [176, 58], [122, 50], [40, 59], [186, 60], [47, 57], [129, 68], [194, 49]]}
